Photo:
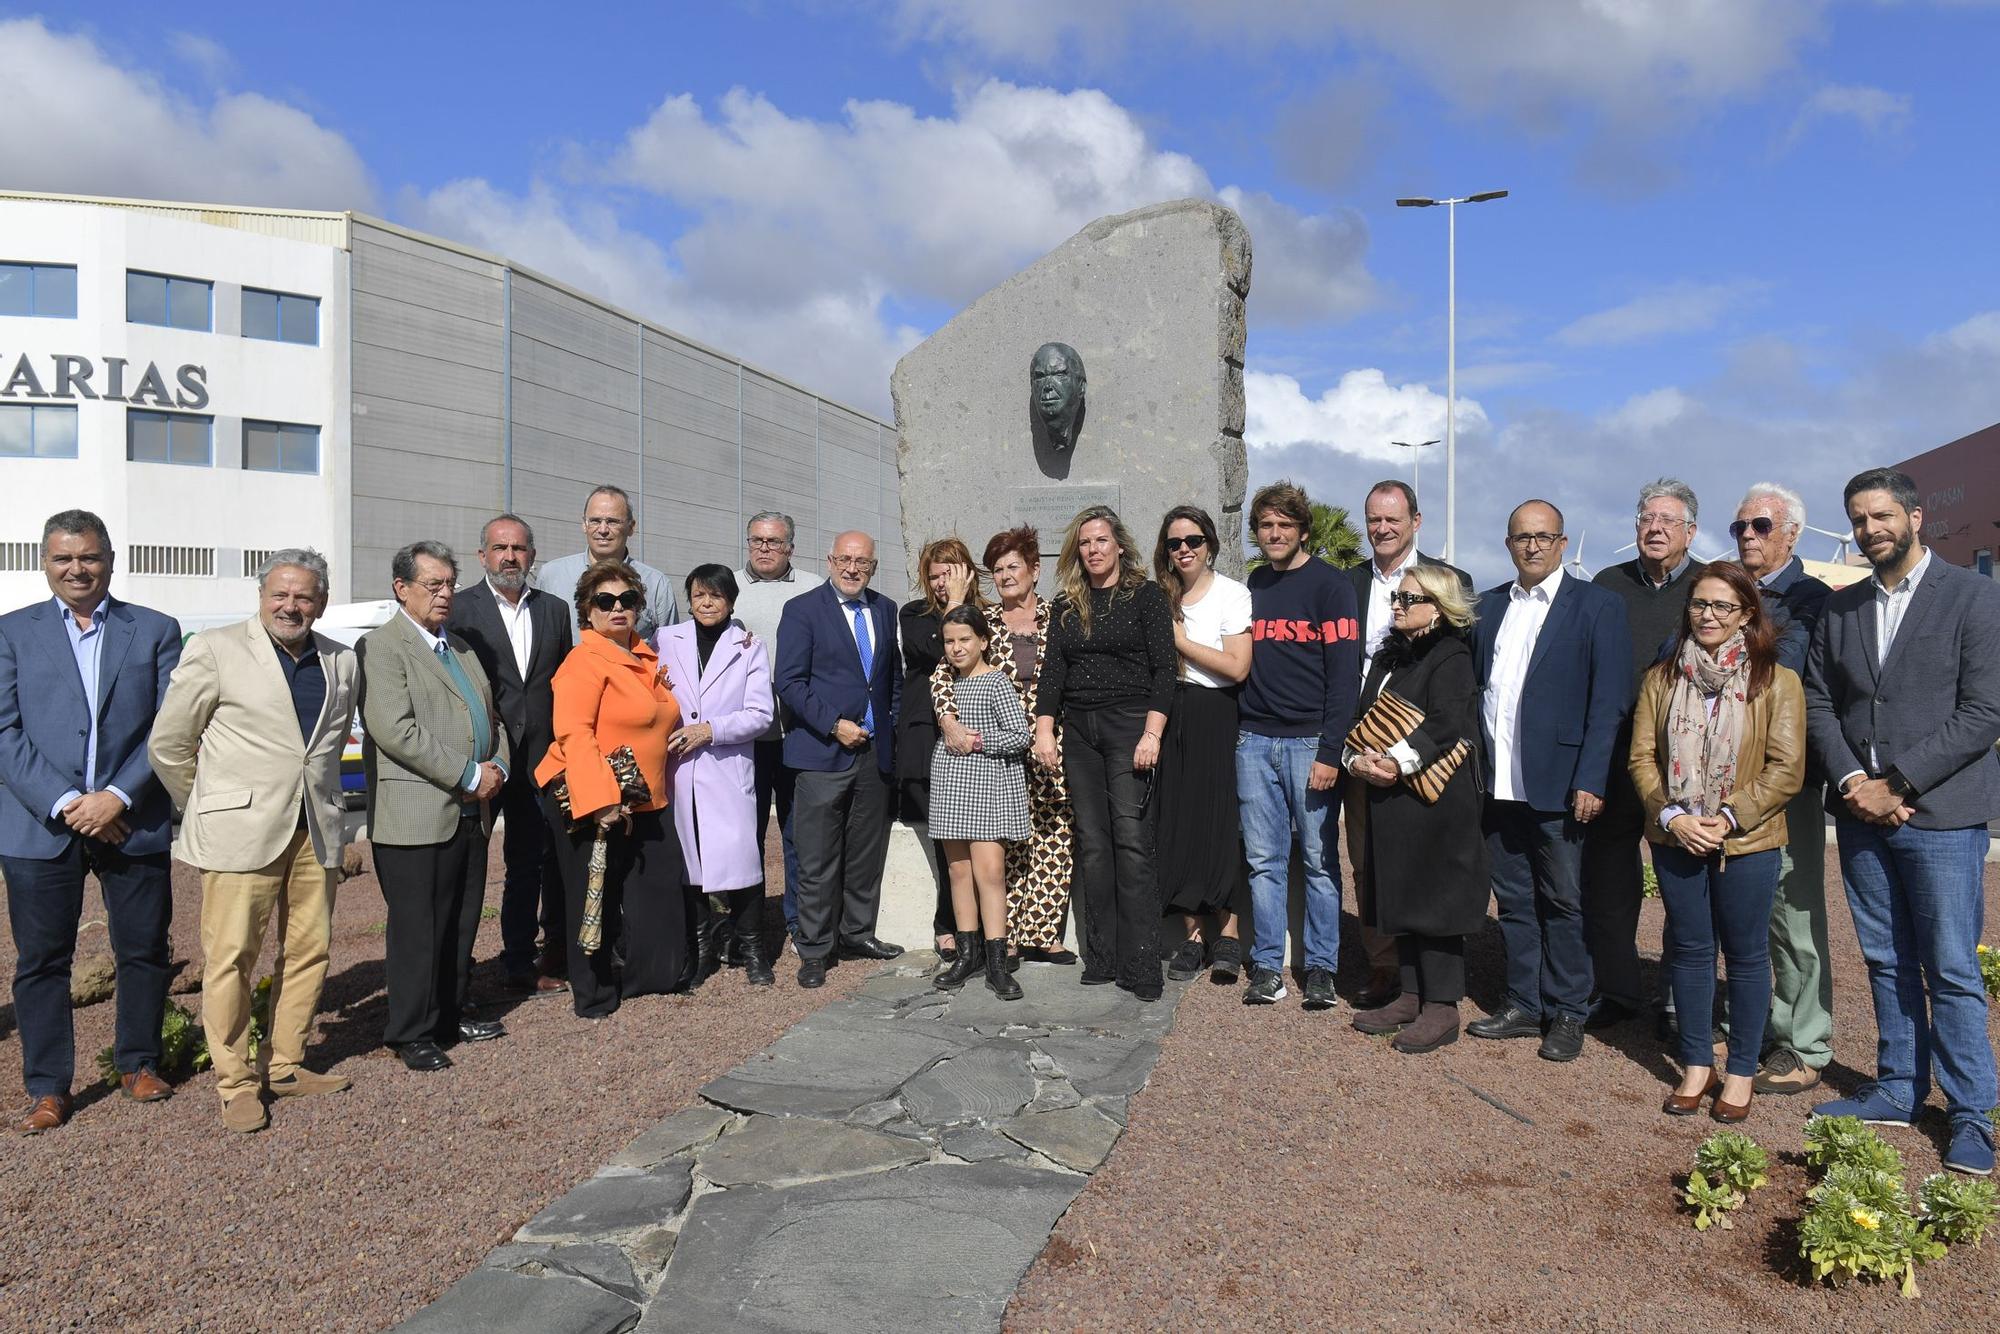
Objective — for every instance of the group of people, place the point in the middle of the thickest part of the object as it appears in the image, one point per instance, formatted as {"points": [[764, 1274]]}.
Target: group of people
{"points": [[1154, 740]]}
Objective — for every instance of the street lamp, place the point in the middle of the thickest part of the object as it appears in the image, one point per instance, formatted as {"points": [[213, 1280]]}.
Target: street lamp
{"points": [[1416, 462], [1451, 355]]}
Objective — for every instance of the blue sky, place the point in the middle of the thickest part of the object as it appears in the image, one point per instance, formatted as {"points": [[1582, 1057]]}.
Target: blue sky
{"points": [[1745, 236]]}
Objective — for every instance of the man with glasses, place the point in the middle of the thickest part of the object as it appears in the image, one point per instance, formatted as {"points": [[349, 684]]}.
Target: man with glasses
{"points": [[836, 674], [1654, 587], [1555, 670], [767, 581], [608, 525], [1798, 1036]]}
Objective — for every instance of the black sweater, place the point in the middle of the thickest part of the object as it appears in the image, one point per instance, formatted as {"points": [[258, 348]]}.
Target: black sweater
{"points": [[1653, 614], [1129, 657], [1305, 655]]}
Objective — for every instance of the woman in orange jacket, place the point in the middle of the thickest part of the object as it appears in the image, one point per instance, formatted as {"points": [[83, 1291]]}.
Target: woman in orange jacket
{"points": [[609, 693]]}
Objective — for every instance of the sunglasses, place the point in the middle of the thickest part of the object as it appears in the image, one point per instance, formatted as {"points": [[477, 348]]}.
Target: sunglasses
{"points": [[631, 600], [1193, 542], [1761, 525], [1408, 600]]}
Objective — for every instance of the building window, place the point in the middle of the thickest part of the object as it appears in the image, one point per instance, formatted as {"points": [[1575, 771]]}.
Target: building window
{"points": [[177, 303], [38, 289], [20, 557], [169, 437], [280, 317], [280, 447], [197, 562], [1982, 561], [37, 432]]}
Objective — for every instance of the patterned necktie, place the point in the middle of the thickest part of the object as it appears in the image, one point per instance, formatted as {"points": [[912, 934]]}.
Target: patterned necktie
{"points": [[463, 685], [860, 614]]}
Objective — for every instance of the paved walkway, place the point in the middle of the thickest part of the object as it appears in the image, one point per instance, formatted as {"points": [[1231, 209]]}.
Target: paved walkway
{"points": [[895, 1161]]}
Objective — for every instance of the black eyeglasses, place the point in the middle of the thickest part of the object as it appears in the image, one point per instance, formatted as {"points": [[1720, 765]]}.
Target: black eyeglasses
{"points": [[1761, 525], [1408, 600], [1193, 542], [631, 600], [1719, 610]]}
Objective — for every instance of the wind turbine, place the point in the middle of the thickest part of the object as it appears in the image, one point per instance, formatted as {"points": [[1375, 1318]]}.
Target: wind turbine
{"points": [[1845, 541], [1574, 565]]}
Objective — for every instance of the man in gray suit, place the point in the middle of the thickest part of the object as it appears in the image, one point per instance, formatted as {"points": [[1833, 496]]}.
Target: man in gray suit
{"points": [[608, 525], [1902, 713], [436, 757]]}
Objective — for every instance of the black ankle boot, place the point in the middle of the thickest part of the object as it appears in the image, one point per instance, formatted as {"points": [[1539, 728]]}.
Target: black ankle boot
{"points": [[750, 949], [999, 977], [969, 961]]}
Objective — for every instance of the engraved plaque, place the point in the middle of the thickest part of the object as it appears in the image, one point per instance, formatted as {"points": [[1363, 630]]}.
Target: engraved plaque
{"points": [[1050, 508]]}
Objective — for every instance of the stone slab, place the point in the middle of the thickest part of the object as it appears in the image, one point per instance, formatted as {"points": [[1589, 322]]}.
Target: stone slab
{"points": [[599, 1261], [606, 1206], [989, 1082], [935, 1247], [772, 1150], [1100, 1065], [833, 1062], [689, 1128], [498, 1299], [1077, 1137], [977, 1144], [1055, 998]]}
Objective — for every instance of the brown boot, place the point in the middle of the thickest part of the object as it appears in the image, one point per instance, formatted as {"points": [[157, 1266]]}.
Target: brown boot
{"points": [[1436, 1026], [1387, 1018]]}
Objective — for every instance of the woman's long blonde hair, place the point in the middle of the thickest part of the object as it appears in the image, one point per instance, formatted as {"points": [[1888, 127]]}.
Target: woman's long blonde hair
{"points": [[1074, 584], [947, 551]]}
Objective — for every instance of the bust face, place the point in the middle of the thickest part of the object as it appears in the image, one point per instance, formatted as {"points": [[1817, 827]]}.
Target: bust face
{"points": [[1056, 380]]}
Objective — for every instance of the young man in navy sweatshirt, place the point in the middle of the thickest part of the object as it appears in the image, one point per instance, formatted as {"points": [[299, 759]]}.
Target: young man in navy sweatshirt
{"points": [[1305, 663]]}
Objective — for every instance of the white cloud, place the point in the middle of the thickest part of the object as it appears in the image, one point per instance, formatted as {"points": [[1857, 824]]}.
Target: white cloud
{"points": [[1358, 416], [1305, 268], [77, 122], [1880, 114], [1677, 309]]}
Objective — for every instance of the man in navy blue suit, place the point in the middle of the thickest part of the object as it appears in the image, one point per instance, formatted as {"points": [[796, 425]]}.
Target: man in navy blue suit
{"points": [[1555, 668], [837, 674], [81, 677]]}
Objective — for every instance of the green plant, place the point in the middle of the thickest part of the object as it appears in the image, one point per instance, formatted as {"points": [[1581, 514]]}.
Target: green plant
{"points": [[1958, 1208], [1711, 1203], [1333, 538], [1989, 970], [1875, 1189], [182, 1047], [1843, 1238], [1733, 1159], [1650, 886], [1845, 1139]]}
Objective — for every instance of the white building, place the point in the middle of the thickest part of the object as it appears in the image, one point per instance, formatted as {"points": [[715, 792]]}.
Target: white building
{"points": [[220, 382]]}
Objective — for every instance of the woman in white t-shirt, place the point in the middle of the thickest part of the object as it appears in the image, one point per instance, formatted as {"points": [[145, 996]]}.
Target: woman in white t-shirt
{"points": [[1202, 872]]}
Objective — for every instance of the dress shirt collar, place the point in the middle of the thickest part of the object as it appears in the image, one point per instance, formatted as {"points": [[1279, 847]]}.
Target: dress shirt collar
{"points": [[1672, 574], [1545, 590], [431, 641], [96, 612], [790, 576], [1409, 560], [506, 603], [1908, 583]]}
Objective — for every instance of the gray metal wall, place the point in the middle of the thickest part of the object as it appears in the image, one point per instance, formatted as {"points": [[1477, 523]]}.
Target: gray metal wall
{"points": [[449, 428]]}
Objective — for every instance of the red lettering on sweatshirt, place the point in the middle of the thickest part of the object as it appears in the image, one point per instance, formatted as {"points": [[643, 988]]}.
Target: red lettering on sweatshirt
{"points": [[1305, 632]]}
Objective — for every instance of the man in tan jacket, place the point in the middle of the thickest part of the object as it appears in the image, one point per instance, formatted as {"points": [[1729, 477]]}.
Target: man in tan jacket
{"points": [[247, 743]]}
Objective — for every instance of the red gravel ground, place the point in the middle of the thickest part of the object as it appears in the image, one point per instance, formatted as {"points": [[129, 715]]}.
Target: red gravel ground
{"points": [[350, 1211], [1282, 1171]]}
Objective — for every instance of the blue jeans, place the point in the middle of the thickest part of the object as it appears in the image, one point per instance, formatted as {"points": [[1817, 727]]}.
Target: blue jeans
{"points": [[1730, 903], [776, 783], [1918, 901], [1271, 774], [1536, 860]]}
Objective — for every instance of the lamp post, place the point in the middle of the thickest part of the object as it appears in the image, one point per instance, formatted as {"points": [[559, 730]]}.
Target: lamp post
{"points": [[1416, 463], [1451, 354]]}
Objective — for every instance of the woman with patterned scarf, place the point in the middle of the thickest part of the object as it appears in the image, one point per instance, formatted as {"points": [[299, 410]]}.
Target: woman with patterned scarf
{"points": [[1718, 748]]}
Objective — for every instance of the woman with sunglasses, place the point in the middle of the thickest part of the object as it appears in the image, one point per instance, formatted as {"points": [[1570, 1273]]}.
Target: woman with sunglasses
{"points": [[609, 692], [1202, 870], [1427, 880], [1718, 748]]}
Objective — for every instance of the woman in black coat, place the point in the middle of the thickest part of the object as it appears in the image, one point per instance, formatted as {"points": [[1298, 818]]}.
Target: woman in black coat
{"points": [[1427, 860]]}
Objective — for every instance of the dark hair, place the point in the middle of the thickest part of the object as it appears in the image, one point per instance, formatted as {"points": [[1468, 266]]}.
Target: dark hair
{"points": [[971, 617], [1024, 542], [601, 573], [1899, 485], [1163, 567], [715, 578], [76, 523], [1760, 640], [486, 529], [1409, 494], [403, 565], [1524, 504], [1287, 499]]}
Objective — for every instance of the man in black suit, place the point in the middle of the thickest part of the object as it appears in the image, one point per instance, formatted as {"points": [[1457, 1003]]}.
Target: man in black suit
{"points": [[520, 636], [1393, 521]]}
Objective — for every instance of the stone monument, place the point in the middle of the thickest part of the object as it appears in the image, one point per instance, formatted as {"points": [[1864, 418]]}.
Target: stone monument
{"points": [[1153, 301]]}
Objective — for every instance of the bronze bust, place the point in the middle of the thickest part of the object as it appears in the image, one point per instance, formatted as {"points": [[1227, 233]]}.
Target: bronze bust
{"points": [[1056, 390]]}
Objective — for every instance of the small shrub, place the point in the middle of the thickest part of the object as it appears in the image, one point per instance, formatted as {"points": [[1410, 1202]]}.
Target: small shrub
{"points": [[1877, 1190], [183, 1044], [1733, 1159], [1989, 970], [1650, 885], [1958, 1209], [1711, 1203], [1844, 1139], [1843, 1238]]}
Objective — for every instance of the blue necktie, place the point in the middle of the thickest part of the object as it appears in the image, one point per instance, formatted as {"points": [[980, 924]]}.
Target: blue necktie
{"points": [[463, 685], [867, 660]]}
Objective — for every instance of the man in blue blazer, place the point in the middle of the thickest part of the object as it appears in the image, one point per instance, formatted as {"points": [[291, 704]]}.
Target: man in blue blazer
{"points": [[837, 674], [1555, 671], [81, 677], [1902, 714]]}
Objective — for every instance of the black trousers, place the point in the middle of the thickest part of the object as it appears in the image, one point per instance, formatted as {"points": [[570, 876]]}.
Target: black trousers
{"points": [[840, 822], [1114, 844], [1613, 890], [1433, 967], [434, 892], [533, 892], [647, 905], [44, 905]]}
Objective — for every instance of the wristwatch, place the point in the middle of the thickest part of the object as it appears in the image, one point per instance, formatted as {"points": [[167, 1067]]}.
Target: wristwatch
{"points": [[1898, 784]]}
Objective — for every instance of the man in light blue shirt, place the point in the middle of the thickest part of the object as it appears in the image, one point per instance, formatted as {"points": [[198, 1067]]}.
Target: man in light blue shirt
{"points": [[608, 525]]}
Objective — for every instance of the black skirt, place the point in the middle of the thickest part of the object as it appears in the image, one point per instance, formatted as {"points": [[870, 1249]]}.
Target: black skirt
{"points": [[1199, 836]]}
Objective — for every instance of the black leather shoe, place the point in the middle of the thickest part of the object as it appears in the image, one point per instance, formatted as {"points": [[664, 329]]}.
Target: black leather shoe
{"points": [[1509, 1021], [812, 973], [421, 1055], [480, 1030], [1606, 1013], [869, 947], [1565, 1039]]}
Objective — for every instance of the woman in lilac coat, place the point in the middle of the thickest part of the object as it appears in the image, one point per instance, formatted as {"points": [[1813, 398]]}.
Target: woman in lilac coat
{"points": [[721, 677]]}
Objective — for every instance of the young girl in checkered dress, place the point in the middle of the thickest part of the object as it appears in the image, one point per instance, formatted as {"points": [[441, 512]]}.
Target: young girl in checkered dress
{"points": [[979, 798]]}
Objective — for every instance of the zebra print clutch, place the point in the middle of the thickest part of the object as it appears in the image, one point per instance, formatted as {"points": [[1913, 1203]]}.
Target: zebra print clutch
{"points": [[1390, 719], [632, 789]]}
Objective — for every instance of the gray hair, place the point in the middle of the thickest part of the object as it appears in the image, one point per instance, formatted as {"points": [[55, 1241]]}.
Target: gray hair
{"points": [[303, 558], [772, 516], [1672, 488], [404, 565], [607, 489], [487, 527], [75, 523], [1795, 506]]}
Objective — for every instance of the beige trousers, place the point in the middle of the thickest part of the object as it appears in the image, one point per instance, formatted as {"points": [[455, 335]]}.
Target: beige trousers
{"points": [[1380, 949], [236, 910]]}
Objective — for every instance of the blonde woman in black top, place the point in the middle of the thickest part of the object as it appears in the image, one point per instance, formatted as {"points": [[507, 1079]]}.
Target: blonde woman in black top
{"points": [[1109, 677]]}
